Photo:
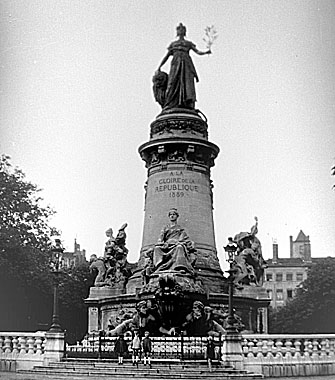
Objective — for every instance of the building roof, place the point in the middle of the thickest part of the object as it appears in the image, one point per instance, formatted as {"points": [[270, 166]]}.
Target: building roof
{"points": [[302, 237], [288, 262], [295, 262]]}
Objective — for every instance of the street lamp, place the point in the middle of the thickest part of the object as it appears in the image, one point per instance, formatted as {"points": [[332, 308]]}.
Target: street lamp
{"points": [[230, 250], [232, 346], [56, 264]]}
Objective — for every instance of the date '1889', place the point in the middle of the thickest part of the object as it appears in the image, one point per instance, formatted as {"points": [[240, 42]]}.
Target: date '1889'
{"points": [[176, 194]]}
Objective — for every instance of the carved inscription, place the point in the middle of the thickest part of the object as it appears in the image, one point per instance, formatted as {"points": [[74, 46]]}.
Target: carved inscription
{"points": [[177, 185]]}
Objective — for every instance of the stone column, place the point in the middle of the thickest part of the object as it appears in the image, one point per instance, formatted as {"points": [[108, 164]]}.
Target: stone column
{"points": [[179, 157]]}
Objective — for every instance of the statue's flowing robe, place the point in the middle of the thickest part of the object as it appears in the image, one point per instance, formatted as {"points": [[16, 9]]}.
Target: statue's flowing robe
{"points": [[180, 88], [177, 256]]}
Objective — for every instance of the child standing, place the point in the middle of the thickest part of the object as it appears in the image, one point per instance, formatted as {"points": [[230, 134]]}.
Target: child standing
{"points": [[210, 352], [147, 347], [136, 347], [120, 348]]}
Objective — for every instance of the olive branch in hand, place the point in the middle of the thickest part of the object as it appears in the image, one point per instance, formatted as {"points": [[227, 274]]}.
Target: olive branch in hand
{"points": [[210, 36]]}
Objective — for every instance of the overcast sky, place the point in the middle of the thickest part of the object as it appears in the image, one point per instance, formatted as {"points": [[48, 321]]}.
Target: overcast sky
{"points": [[76, 103]]}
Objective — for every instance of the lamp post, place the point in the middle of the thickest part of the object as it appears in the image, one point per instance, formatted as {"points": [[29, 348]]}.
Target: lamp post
{"points": [[232, 347], [230, 250], [56, 264]]}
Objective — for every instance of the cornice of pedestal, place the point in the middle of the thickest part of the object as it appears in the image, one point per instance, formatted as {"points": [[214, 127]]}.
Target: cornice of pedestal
{"points": [[186, 151], [179, 122]]}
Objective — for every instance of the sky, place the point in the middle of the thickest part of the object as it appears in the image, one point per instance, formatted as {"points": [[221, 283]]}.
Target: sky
{"points": [[76, 102]]}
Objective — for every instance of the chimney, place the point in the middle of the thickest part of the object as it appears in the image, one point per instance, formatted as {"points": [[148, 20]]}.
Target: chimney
{"points": [[274, 250], [291, 246], [307, 247]]}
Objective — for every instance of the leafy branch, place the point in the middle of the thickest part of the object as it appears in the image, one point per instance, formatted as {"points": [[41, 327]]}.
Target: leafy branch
{"points": [[210, 36]]}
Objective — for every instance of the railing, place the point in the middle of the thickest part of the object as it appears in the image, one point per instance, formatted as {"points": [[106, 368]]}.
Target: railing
{"points": [[23, 347], [289, 355], [163, 348], [272, 355]]}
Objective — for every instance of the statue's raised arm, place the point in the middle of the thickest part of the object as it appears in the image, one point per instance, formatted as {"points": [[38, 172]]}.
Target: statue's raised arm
{"points": [[177, 90]]}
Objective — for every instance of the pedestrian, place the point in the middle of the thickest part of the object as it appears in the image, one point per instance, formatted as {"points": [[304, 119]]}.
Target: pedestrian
{"points": [[210, 352], [136, 348], [120, 348], [147, 348]]}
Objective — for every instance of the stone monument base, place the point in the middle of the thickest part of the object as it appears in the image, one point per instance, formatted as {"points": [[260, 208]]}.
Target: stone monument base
{"points": [[106, 310]]}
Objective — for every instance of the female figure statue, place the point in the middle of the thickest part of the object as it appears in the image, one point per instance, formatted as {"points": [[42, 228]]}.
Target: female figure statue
{"points": [[180, 90], [174, 250]]}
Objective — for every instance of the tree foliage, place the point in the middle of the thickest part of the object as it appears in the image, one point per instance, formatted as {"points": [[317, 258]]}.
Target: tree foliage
{"points": [[74, 287], [26, 282], [313, 308], [24, 236], [24, 222]]}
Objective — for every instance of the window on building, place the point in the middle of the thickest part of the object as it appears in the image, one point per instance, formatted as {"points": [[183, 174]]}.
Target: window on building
{"points": [[269, 277], [289, 276], [279, 277], [269, 291], [300, 276], [279, 295], [289, 293]]}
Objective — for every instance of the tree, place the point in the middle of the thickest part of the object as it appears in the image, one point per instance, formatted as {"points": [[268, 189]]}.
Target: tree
{"points": [[25, 283], [23, 221], [313, 308]]}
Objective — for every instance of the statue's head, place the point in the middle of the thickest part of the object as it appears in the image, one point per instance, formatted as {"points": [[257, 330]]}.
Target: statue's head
{"points": [[181, 30], [173, 211], [109, 232], [142, 307], [198, 309], [93, 258]]}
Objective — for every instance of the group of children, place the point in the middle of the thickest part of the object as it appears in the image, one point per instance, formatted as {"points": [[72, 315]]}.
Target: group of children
{"points": [[137, 346], [145, 346]]}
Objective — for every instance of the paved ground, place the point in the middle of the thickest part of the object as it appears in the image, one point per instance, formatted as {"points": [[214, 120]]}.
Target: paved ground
{"points": [[17, 376]]}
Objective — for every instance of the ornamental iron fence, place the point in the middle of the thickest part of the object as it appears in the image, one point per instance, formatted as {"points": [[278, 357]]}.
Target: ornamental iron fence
{"points": [[100, 346]]}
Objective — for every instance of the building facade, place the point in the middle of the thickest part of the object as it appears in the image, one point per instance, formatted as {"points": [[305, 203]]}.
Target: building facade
{"points": [[284, 275], [75, 258]]}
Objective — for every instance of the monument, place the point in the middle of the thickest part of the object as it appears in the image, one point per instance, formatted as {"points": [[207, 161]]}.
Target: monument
{"points": [[177, 285]]}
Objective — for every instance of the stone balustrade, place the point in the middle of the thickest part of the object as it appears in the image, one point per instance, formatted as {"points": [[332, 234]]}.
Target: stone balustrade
{"points": [[289, 355], [20, 350], [24, 348], [269, 354]]}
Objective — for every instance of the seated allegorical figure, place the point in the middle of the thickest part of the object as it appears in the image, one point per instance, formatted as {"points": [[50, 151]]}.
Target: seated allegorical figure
{"points": [[174, 250]]}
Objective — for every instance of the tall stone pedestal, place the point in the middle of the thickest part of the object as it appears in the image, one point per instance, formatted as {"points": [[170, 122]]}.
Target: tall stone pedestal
{"points": [[179, 157]]}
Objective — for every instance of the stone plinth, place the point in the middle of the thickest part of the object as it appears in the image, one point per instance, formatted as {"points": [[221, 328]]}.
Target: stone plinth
{"points": [[105, 307], [232, 351], [54, 347]]}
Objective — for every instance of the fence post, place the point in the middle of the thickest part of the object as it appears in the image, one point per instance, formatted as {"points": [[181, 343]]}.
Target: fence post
{"points": [[182, 346], [54, 347], [220, 346], [65, 348], [100, 341]]}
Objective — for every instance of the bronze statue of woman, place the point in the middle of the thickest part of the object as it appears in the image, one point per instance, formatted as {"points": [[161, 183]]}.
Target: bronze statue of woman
{"points": [[180, 90]]}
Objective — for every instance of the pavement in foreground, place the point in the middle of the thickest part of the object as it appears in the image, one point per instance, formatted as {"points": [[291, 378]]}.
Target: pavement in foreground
{"points": [[23, 376]]}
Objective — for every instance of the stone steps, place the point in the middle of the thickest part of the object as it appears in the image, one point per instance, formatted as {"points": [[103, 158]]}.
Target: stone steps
{"points": [[107, 369]]}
